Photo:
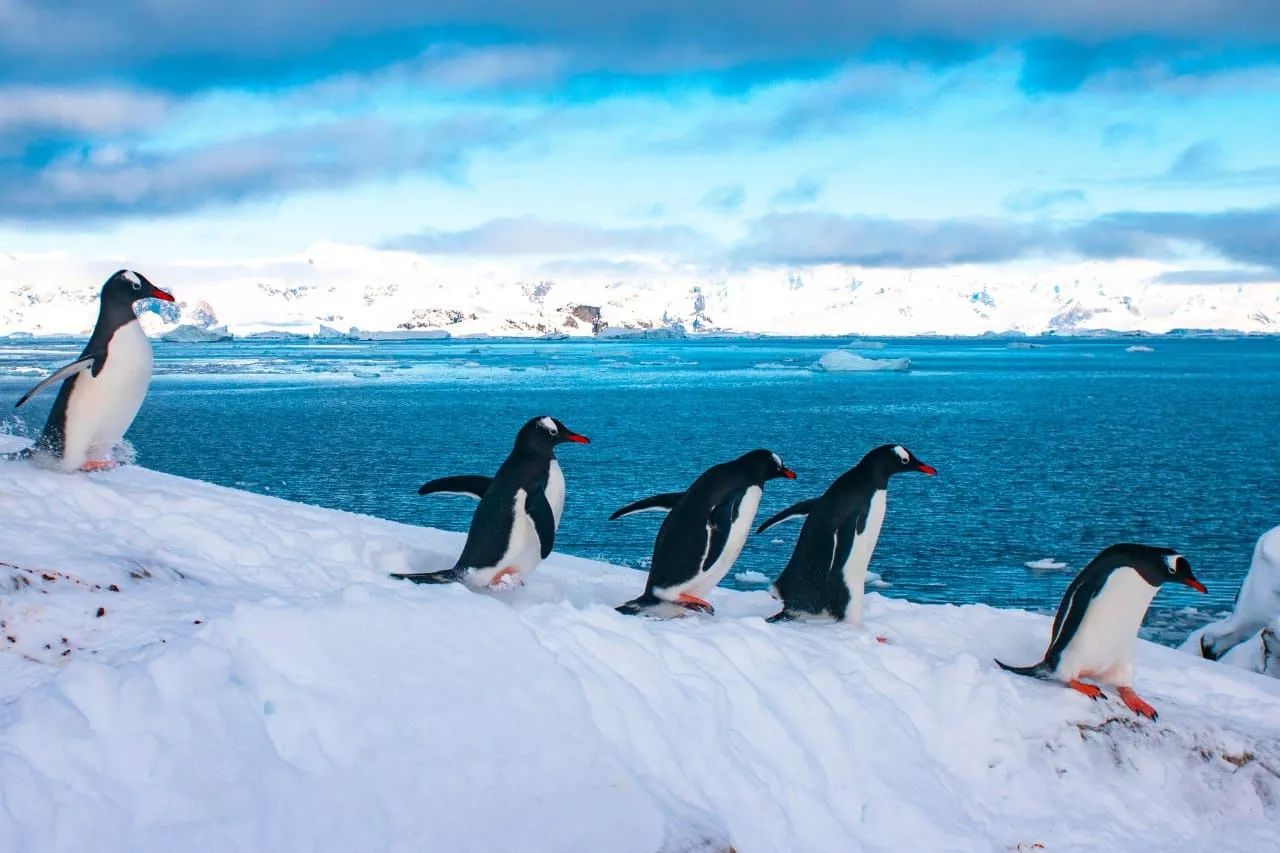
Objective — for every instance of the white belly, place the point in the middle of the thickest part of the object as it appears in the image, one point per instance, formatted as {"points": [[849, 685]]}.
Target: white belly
{"points": [[555, 491], [1102, 648], [854, 570], [102, 407], [705, 581], [524, 549]]}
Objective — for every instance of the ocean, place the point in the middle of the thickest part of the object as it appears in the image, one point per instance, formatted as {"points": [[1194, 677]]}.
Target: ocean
{"points": [[1047, 451]]}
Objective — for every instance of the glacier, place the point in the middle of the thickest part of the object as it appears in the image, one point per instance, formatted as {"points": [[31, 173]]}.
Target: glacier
{"points": [[188, 666]]}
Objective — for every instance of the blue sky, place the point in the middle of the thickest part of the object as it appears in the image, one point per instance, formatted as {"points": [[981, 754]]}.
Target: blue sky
{"points": [[711, 135]]}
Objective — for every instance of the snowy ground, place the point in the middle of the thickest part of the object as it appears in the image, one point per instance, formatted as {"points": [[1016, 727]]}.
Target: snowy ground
{"points": [[257, 683]]}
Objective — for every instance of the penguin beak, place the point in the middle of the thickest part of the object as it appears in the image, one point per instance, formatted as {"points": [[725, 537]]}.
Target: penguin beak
{"points": [[162, 295], [788, 473], [926, 469], [1195, 584], [575, 438]]}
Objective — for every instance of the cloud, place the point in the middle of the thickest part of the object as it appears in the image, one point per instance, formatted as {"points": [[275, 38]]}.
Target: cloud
{"points": [[1232, 276], [1038, 201], [1245, 236], [526, 235], [1203, 163], [111, 181], [724, 199]]}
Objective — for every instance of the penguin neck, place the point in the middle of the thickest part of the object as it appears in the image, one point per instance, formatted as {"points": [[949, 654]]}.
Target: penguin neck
{"points": [[111, 316], [872, 474]]}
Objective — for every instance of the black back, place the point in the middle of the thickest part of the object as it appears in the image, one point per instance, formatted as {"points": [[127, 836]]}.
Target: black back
{"points": [[681, 549]]}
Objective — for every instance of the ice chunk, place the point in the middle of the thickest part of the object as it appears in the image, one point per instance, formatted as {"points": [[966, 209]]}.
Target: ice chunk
{"points": [[1139, 348], [1048, 564], [843, 361], [752, 578], [190, 334]]}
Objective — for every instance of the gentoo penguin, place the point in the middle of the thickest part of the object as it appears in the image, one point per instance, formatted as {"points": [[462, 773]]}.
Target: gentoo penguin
{"points": [[514, 527], [1097, 623], [103, 389], [828, 568], [703, 533], [1257, 604]]}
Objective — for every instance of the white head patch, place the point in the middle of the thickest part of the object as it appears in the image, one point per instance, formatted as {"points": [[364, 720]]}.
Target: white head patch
{"points": [[132, 277], [1171, 561], [550, 426], [777, 460], [902, 453]]}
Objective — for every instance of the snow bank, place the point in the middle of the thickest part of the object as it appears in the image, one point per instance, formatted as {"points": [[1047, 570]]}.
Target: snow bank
{"points": [[1238, 639], [258, 683], [843, 361]]}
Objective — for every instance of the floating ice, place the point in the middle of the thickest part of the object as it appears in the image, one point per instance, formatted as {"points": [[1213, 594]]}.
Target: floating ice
{"points": [[843, 361], [1139, 348], [753, 578], [1048, 564]]}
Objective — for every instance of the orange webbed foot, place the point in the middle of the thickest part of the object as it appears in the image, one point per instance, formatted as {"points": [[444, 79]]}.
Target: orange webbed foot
{"points": [[1090, 690], [98, 465], [692, 602], [1134, 703], [505, 578], [882, 640]]}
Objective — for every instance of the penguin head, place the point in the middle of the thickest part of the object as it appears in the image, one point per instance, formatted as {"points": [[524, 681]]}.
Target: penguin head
{"points": [[764, 465], [1160, 565], [127, 287], [544, 432], [892, 459]]}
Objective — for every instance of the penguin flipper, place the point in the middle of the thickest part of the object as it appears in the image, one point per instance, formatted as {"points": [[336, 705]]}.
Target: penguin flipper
{"points": [[798, 510], [544, 522], [78, 366], [1037, 670], [446, 576], [655, 503], [471, 485]]}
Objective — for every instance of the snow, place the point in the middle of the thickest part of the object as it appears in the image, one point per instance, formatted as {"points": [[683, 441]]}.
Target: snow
{"points": [[1237, 639], [1047, 564], [400, 294], [258, 683], [843, 361]]}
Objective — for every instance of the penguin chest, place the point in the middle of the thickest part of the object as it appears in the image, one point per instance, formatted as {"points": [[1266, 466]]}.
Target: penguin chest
{"points": [[739, 529], [524, 549], [854, 570], [101, 408], [1102, 647], [555, 491]]}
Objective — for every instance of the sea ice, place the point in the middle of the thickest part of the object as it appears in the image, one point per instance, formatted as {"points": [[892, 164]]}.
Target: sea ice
{"points": [[1048, 564], [843, 361]]}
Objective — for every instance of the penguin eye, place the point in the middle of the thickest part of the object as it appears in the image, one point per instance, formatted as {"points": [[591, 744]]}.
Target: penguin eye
{"points": [[1171, 562], [902, 454], [137, 285], [550, 426]]}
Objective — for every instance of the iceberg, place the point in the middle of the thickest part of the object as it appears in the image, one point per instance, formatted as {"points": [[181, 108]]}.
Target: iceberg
{"points": [[188, 666], [190, 334], [1139, 348], [1048, 564], [843, 361]]}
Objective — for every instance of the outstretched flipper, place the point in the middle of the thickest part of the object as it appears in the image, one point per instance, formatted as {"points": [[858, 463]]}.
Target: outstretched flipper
{"points": [[656, 503], [446, 576], [1038, 670], [85, 363], [471, 485], [799, 510]]}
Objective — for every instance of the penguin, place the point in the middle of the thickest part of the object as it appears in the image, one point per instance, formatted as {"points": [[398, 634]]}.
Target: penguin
{"points": [[514, 527], [827, 571], [1096, 627], [703, 533], [103, 389]]}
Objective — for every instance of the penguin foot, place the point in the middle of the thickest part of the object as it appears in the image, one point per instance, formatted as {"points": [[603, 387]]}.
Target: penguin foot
{"points": [[98, 465], [1090, 690], [882, 640], [1134, 703], [692, 602], [505, 579]]}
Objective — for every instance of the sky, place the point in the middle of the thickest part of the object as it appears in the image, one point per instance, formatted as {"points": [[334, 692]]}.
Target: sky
{"points": [[573, 137]]}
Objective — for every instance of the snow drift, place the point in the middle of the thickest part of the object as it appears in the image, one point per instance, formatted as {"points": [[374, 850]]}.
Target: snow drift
{"points": [[191, 667]]}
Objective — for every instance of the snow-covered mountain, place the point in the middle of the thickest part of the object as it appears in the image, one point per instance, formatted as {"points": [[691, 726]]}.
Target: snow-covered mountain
{"points": [[334, 288]]}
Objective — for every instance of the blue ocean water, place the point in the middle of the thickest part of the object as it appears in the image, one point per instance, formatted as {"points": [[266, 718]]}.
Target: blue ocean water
{"points": [[1052, 451]]}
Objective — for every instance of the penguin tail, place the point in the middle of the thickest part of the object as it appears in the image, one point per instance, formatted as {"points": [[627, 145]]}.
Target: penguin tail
{"points": [[1038, 670], [637, 606], [781, 616], [446, 576]]}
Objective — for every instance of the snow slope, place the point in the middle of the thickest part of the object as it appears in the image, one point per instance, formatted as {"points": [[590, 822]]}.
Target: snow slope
{"points": [[258, 683], [334, 287]]}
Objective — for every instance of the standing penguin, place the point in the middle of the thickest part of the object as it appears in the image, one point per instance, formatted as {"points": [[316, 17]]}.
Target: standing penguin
{"points": [[828, 568], [103, 389], [514, 527], [703, 533], [1097, 623]]}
